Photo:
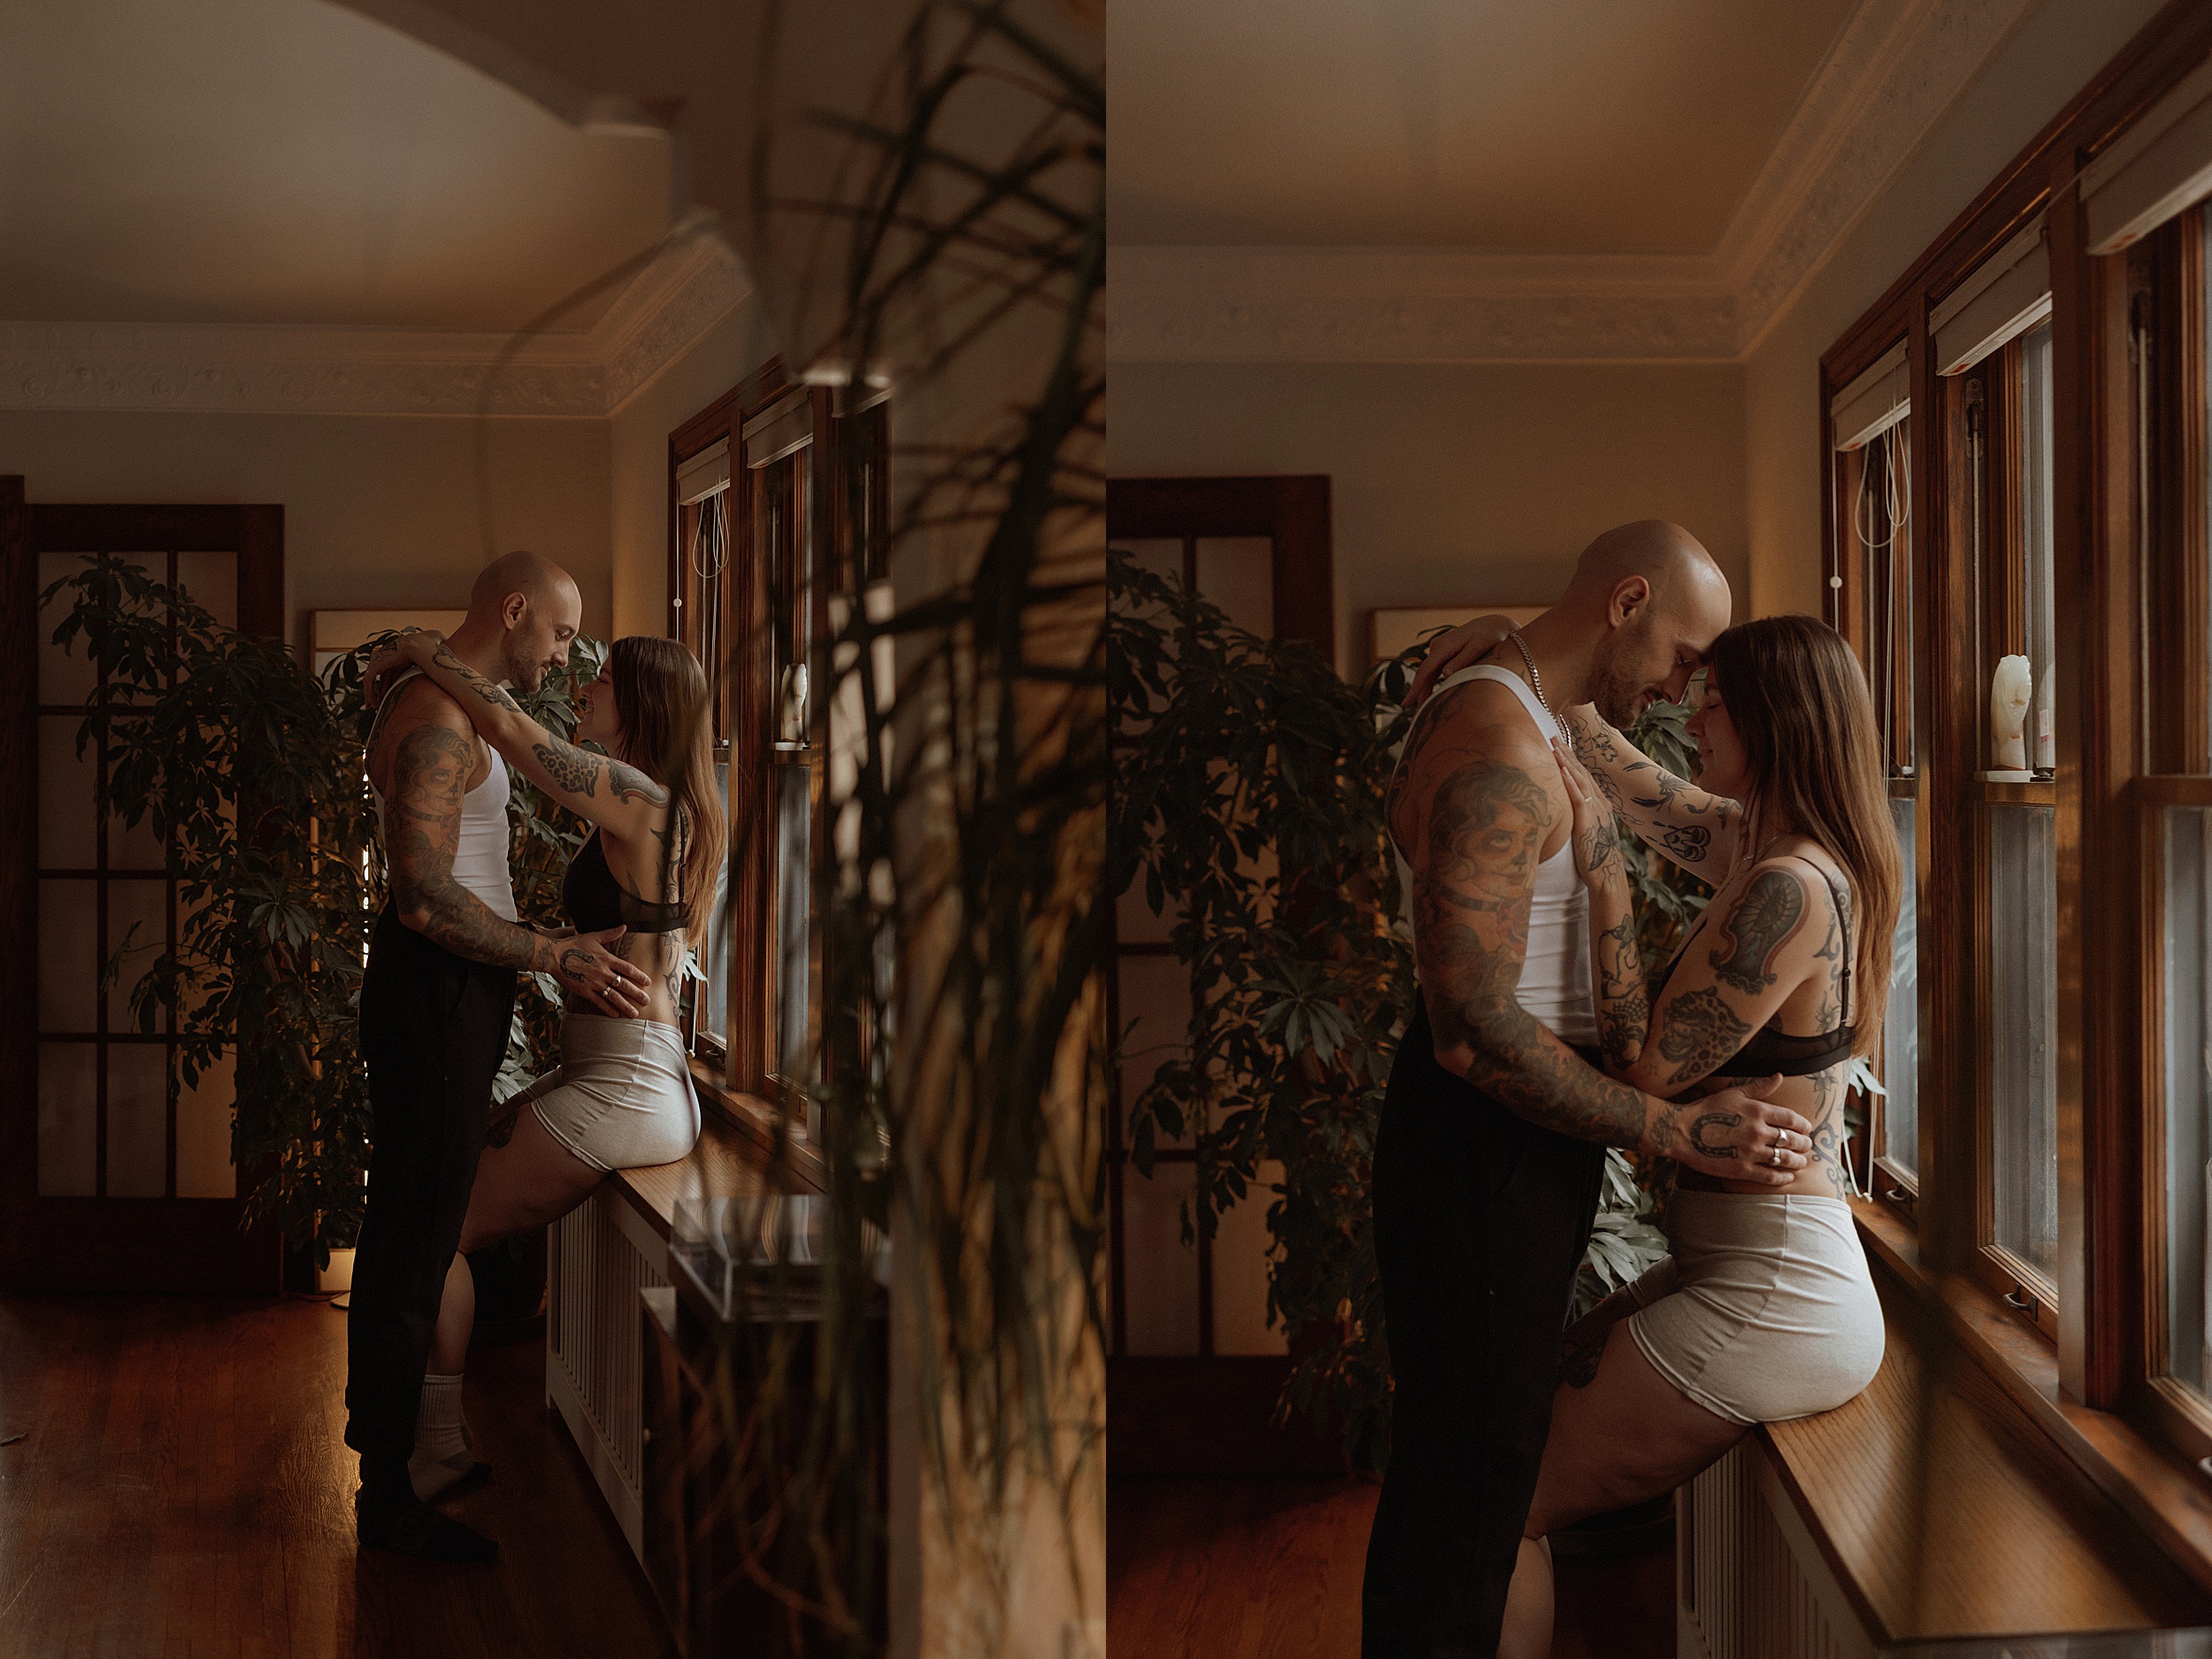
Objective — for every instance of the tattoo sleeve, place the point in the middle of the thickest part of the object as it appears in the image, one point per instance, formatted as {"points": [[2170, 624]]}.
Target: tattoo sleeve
{"points": [[1475, 874], [1624, 1001], [1701, 1032], [430, 771], [473, 684], [579, 771], [1769, 913], [567, 767], [1695, 829]]}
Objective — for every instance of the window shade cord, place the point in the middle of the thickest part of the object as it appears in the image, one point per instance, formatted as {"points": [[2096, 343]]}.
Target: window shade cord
{"points": [[1897, 491], [709, 532]]}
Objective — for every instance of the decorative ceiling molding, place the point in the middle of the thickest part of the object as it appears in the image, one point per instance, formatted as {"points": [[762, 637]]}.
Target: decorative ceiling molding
{"points": [[1895, 68], [290, 369]]}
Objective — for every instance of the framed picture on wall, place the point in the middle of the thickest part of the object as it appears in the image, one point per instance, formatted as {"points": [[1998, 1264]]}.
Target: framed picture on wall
{"points": [[331, 633], [1391, 628]]}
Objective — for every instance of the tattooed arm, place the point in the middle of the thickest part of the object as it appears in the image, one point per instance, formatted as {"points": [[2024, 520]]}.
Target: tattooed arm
{"points": [[619, 798], [422, 757], [1764, 949], [1482, 801], [1617, 957], [1693, 829]]}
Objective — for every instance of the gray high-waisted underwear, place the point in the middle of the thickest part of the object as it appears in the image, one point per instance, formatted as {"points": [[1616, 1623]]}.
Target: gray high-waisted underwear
{"points": [[1765, 1310], [621, 1097]]}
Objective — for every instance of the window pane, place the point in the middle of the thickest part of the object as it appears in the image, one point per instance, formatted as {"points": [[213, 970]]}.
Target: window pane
{"points": [[1901, 1031], [2022, 1018], [794, 820], [713, 1003], [2040, 600], [2188, 968]]}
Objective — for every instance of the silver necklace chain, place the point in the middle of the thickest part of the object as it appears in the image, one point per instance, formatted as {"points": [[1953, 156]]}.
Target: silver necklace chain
{"points": [[1535, 680]]}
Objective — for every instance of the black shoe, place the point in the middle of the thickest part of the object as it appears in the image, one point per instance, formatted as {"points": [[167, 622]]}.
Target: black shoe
{"points": [[416, 1529]]}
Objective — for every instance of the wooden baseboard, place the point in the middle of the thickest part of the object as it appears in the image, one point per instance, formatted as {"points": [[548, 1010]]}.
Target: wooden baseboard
{"points": [[1207, 1416]]}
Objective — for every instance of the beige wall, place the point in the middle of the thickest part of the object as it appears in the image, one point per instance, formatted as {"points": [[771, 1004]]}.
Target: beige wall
{"points": [[737, 345], [378, 511], [2047, 60], [1454, 484]]}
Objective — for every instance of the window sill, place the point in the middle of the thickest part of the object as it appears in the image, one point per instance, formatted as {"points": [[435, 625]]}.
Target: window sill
{"points": [[763, 1127], [2172, 1504]]}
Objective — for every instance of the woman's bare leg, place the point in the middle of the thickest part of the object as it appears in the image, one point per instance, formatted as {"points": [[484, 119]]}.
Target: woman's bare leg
{"points": [[456, 1317], [530, 1181], [1625, 1435]]}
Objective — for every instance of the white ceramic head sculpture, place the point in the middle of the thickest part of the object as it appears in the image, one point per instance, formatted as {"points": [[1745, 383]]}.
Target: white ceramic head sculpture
{"points": [[2009, 692]]}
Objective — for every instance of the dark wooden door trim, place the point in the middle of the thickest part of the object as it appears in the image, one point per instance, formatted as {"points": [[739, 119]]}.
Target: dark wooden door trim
{"points": [[101, 1244], [1207, 1413], [1294, 509]]}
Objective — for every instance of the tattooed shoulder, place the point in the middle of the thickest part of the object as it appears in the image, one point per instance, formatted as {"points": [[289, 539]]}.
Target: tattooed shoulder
{"points": [[1767, 915]]}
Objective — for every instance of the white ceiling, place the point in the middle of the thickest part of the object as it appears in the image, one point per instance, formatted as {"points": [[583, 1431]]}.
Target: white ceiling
{"points": [[288, 161], [1565, 126]]}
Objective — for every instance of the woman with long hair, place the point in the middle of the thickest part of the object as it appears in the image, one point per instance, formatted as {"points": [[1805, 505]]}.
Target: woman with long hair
{"points": [[1765, 1310], [621, 1097]]}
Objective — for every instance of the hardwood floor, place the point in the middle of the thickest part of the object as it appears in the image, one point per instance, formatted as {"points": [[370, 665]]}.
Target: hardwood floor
{"points": [[181, 1489], [1270, 1569]]}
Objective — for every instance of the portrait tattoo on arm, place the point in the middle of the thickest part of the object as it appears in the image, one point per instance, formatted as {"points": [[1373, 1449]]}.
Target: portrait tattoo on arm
{"points": [[1766, 917]]}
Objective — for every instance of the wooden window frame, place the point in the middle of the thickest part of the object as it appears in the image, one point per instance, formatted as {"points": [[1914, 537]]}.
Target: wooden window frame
{"points": [[741, 1074], [1860, 606], [2131, 582]]}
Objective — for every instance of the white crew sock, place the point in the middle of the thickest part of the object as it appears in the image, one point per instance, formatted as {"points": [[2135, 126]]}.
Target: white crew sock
{"points": [[444, 1451]]}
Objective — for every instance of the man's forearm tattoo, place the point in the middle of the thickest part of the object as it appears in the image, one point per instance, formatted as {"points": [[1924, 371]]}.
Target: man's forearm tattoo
{"points": [[1764, 919], [1701, 1031]]}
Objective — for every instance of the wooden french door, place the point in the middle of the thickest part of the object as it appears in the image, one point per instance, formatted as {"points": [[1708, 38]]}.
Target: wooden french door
{"points": [[112, 1178], [1194, 1366]]}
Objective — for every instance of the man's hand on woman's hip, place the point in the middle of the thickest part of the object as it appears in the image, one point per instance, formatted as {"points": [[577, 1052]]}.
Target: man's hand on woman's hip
{"points": [[1736, 1134], [585, 965]]}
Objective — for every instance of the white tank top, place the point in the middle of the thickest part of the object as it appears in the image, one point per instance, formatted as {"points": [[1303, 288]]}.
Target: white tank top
{"points": [[479, 862], [1555, 977]]}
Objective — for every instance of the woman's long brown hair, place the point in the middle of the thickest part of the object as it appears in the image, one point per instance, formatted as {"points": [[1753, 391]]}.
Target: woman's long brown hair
{"points": [[1799, 702], [660, 698]]}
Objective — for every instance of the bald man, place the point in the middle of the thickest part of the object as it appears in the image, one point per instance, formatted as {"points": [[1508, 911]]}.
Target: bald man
{"points": [[436, 1007], [1495, 1126]]}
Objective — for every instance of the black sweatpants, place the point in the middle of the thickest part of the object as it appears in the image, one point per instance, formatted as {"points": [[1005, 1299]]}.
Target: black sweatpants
{"points": [[433, 1028], [1481, 1218]]}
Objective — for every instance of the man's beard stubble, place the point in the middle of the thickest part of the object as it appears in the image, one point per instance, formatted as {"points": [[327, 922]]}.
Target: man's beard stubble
{"points": [[1618, 695]]}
